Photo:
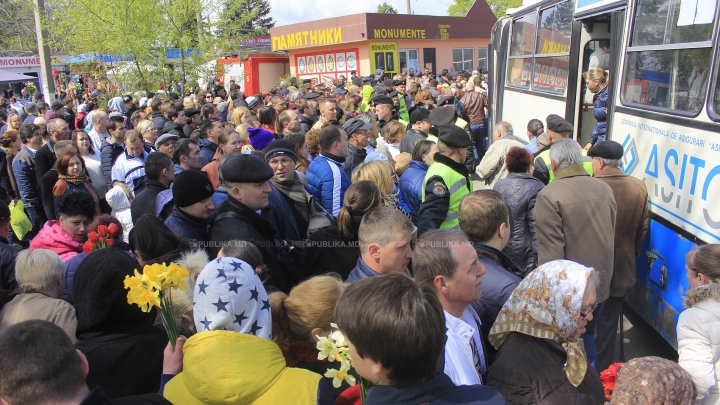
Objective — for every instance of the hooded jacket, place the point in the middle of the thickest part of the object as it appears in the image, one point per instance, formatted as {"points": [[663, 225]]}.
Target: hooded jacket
{"points": [[698, 334], [520, 191], [53, 237], [123, 348], [227, 367], [116, 104], [411, 184], [207, 149], [119, 201], [158, 120]]}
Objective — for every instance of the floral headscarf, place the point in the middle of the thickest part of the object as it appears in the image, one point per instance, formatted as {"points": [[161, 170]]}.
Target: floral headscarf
{"points": [[546, 305]]}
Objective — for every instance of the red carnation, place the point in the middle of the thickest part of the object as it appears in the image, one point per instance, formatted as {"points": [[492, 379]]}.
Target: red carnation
{"points": [[609, 378]]}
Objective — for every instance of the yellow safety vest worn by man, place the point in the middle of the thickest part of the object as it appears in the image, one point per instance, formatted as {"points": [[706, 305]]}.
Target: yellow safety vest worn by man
{"points": [[447, 182], [559, 128]]}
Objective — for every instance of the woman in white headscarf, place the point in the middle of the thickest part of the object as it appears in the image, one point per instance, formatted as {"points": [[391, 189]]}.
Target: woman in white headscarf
{"points": [[232, 359], [541, 359]]}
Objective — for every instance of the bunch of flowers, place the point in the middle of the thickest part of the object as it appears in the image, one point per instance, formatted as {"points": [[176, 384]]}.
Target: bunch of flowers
{"points": [[609, 378], [335, 348], [153, 288], [101, 239], [30, 86]]}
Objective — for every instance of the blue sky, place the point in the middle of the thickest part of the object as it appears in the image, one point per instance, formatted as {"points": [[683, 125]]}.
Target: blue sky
{"points": [[287, 12]]}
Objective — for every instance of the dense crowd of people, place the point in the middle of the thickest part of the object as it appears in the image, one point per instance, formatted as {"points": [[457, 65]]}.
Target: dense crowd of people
{"points": [[325, 208]]}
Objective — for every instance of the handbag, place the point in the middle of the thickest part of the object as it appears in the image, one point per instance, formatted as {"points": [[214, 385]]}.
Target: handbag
{"points": [[319, 217], [19, 220]]}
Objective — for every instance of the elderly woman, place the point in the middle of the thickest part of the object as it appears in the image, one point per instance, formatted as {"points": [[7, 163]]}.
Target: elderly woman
{"points": [[698, 328], [67, 235], [233, 351], [653, 380], [39, 274], [540, 358], [520, 189]]}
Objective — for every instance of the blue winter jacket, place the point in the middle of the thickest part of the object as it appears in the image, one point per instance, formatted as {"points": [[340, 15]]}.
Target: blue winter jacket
{"points": [[194, 230], [361, 271], [411, 185], [207, 149], [599, 105], [327, 181]]}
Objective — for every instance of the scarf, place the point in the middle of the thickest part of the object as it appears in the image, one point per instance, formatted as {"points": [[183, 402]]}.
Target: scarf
{"points": [[74, 179], [294, 190], [546, 305]]}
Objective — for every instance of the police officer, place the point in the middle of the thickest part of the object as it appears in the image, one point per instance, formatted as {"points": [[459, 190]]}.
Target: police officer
{"points": [[402, 101], [446, 114], [447, 181], [558, 128]]}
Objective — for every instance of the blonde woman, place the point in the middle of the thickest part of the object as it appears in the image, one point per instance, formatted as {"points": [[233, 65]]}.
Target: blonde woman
{"points": [[379, 173], [597, 83], [394, 133], [238, 114]]}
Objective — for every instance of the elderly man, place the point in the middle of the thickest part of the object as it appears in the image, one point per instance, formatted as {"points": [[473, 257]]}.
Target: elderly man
{"points": [[385, 237], [630, 227], [288, 123], [575, 220], [245, 178], [446, 259], [45, 157], [558, 128], [446, 182], [32, 112], [99, 131], [492, 166]]}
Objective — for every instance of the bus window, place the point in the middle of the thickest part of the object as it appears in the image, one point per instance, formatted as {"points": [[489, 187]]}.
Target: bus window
{"points": [[675, 76], [522, 44], [553, 41], [659, 22], [715, 94]]}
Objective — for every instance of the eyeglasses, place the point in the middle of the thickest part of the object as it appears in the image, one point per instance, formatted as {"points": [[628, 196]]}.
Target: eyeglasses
{"points": [[284, 162], [584, 314]]}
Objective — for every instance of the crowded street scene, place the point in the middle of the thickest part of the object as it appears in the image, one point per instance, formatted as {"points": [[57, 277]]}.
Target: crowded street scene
{"points": [[463, 202]]}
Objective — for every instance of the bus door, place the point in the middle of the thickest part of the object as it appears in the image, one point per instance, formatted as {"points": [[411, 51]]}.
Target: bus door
{"points": [[595, 50]]}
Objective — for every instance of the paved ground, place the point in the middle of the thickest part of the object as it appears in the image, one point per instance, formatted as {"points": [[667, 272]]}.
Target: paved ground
{"points": [[641, 340]]}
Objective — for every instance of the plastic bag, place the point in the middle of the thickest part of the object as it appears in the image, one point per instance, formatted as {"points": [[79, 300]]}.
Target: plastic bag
{"points": [[19, 220]]}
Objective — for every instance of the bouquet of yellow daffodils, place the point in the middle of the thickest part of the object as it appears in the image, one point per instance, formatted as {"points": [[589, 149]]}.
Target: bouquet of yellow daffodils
{"points": [[334, 348], [153, 288]]}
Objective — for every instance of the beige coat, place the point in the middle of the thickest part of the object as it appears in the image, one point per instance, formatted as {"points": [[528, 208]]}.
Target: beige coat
{"points": [[575, 220], [492, 166], [630, 226], [30, 306]]}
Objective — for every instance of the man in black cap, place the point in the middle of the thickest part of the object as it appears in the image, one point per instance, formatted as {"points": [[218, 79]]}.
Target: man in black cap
{"points": [[447, 115], [192, 122], [382, 107], [358, 132], [447, 181], [288, 200], [245, 178], [420, 128], [190, 219], [630, 227], [558, 128]]}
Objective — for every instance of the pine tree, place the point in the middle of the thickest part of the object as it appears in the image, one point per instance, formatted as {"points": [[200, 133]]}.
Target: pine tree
{"points": [[247, 18]]}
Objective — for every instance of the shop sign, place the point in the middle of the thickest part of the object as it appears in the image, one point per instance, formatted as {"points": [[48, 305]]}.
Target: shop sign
{"points": [[26, 61], [384, 55], [398, 33], [307, 38]]}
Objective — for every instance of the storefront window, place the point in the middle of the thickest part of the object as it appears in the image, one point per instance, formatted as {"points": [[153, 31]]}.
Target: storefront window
{"points": [[482, 59], [462, 59]]}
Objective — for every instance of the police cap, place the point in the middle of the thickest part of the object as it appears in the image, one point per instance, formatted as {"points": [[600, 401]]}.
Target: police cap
{"points": [[442, 115], [454, 136]]}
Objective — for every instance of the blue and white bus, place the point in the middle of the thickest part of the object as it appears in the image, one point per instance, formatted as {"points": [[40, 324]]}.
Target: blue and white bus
{"points": [[662, 60]]}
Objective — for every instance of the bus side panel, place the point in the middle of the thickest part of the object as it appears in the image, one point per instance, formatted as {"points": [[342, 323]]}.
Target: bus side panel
{"points": [[519, 108], [661, 280]]}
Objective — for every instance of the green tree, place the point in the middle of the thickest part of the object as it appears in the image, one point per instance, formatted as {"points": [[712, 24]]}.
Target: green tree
{"points": [[245, 18], [459, 8], [385, 8]]}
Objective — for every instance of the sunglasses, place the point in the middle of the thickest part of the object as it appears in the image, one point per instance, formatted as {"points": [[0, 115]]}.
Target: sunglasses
{"points": [[584, 315]]}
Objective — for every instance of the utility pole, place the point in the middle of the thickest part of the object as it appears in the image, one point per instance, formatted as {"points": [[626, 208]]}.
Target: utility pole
{"points": [[408, 7], [48, 84]]}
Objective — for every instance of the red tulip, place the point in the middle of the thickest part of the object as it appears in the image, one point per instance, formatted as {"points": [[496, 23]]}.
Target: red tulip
{"points": [[102, 230], [113, 229], [88, 247], [93, 237]]}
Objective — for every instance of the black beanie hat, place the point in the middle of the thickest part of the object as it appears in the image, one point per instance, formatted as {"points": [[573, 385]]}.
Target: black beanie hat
{"points": [[190, 187], [280, 147]]}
